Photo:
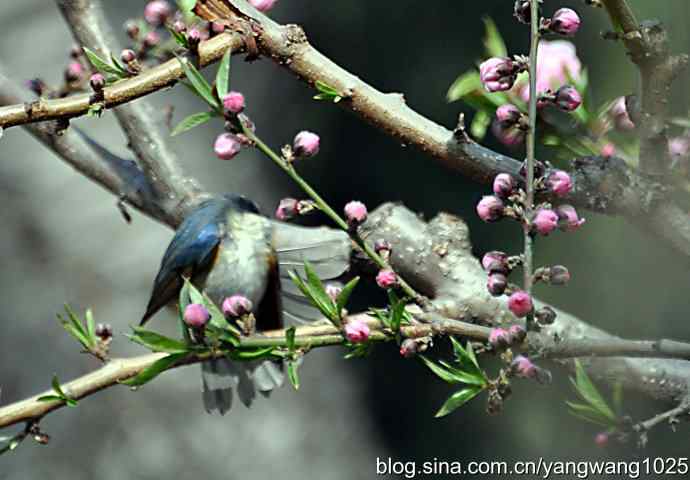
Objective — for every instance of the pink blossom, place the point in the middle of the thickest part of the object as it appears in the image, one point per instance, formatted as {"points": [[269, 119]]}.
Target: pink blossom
{"points": [[333, 290], [226, 146], [556, 62], [355, 212], [520, 303], [545, 221], [523, 367], [499, 338], [567, 98], [504, 185], [560, 183], [306, 144], [496, 284], [152, 39], [357, 331], [490, 208], [601, 439], [128, 55], [263, 5], [679, 146], [157, 12], [386, 278], [74, 71], [517, 334], [287, 208], [498, 74], [508, 114], [619, 114], [236, 306], [97, 82], [565, 21], [510, 136], [568, 219], [608, 150], [196, 315], [495, 261], [233, 102]]}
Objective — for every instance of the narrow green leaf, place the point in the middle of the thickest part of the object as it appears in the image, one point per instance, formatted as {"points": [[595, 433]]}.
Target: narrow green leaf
{"points": [[223, 76], [470, 378], [465, 84], [193, 120], [293, 375], [199, 83], [493, 42], [56, 386], [222, 334], [465, 357], [154, 370], [440, 372], [326, 92], [588, 413], [589, 393], [50, 398], [345, 294], [102, 65], [316, 293], [91, 325], [480, 124], [251, 354], [457, 400], [72, 330], [179, 38], [157, 342]]}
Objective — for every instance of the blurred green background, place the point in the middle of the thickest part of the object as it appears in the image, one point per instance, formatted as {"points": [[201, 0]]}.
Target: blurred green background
{"points": [[63, 240]]}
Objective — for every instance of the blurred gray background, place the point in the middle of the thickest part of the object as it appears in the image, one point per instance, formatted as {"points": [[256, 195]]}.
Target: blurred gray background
{"points": [[63, 240]]}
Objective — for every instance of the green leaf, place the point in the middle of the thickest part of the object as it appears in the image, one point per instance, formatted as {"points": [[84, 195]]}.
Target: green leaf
{"points": [[154, 370], [290, 338], [465, 84], [292, 374], [345, 294], [463, 376], [251, 354], [223, 76], [326, 92], [440, 372], [458, 399], [588, 414], [186, 5], [157, 342], [194, 120], [199, 83], [56, 386], [493, 42], [102, 65], [221, 334], [480, 123], [50, 398], [76, 328], [316, 293], [464, 356], [90, 325], [589, 393], [397, 311], [179, 38]]}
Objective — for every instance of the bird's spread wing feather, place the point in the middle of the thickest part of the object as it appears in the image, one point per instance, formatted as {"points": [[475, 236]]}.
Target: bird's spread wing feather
{"points": [[326, 249]]}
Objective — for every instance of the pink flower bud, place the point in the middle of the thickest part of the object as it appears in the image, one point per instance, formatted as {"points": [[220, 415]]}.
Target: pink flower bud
{"points": [[357, 331], [619, 114], [568, 221], [601, 439], [517, 334], [263, 5], [76, 51], [74, 72], [508, 114], [382, 245], [490, 208], [217, 27], [194, 36], [545, 221], [233, 102], [152, 39], [495, 261], [565, 22], [386, 278], [498, 74], [523, 367], [520, 303], [97, 82], [504, 185], [226, 146], [608, 150], [157, 12], [408, 348], [560, 183], [236, 306], [104, 331], [196, 315], [287, 209], [499, 338], [496, 284], [558, 275], [333, 290], [179, 26], [510, 136], [679, 146], [132, 29], [568, 98], [355, 212], [306, 144], [128, 55]]}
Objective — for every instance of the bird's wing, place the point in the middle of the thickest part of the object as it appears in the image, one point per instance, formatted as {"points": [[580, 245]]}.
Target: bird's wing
{"points": [[326, 249], [191, 250]]}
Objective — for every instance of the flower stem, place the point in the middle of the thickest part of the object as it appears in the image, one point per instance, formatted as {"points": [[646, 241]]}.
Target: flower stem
{"points": [[325, 208], [528, 266]]}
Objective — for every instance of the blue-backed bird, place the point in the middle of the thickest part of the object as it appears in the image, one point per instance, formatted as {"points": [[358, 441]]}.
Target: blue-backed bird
{"points": [[226, 247]]}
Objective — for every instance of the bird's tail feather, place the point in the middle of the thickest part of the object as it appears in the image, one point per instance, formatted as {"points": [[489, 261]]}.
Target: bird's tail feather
{"points": [[221, 376]]}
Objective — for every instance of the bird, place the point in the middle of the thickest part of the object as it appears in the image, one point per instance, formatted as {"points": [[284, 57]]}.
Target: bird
{"points": [[225, 246]]}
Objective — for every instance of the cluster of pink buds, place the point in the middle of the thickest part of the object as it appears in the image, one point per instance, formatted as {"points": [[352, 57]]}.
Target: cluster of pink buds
{"points": [[289, 208], [502, 338]]}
